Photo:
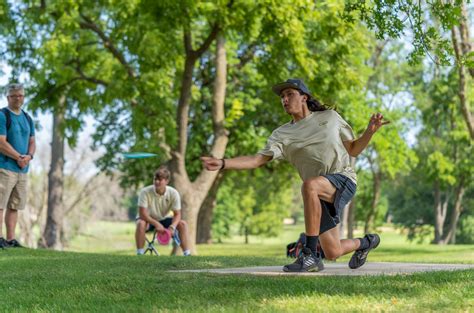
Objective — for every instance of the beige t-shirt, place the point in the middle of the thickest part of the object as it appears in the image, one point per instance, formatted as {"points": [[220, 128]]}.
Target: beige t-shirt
{"points": [[313, 145], [159, 206]]}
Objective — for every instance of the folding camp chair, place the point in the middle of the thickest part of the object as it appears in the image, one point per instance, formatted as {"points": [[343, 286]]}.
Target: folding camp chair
{"points": [[150, 244]]}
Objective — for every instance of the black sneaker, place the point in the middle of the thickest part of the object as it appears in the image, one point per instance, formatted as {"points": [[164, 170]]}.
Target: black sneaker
{"points": [[360, 256], [306, 262], [3, 243], [13, 244]]}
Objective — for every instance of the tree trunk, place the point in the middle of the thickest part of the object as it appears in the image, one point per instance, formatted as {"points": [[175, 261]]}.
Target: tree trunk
{"points": [[466, 44], [450, 236], [462, 47], [370, 220], [54, 223], [194, 193], [246, 234], [204, 226], [440, 209]]}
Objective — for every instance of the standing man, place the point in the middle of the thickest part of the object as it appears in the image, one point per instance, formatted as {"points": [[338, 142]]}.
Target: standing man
{"points": [[17, 147], [155, 202]]}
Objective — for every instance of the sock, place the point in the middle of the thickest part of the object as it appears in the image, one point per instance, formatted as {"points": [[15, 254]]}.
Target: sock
{"points": [[140, 251], [364, 243], [187, 252], [312, 242]]}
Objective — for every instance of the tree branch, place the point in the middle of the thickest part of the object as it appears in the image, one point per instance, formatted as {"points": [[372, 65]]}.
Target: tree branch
{"points": [[86, 189], [207, 42], [108, 44], [83, 76]]}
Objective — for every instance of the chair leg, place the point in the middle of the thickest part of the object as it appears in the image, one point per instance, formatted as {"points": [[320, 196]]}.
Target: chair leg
{"points": [[151, 245]]}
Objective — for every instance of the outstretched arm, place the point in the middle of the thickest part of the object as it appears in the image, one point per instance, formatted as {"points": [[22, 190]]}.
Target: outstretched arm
{"points": [[237, 163], [355, 147]]}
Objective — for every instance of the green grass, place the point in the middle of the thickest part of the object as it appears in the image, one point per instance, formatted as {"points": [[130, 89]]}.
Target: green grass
{"points": [[118, 281], [118, 238]]}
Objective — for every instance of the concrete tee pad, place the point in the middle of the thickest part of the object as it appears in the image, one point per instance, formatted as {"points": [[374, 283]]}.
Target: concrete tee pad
{"points": [[341, 269]]}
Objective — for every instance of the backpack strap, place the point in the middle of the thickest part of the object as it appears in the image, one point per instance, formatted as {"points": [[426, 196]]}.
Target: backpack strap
{"points": [[28, 117], [8, 118]]}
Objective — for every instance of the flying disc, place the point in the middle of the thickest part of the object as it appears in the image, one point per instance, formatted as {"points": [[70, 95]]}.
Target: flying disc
{"points": [[163, 237], [138, 155]]}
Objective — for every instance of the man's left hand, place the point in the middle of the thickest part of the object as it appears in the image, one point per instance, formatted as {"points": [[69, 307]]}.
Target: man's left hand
{"points": [[376, 121], [23, 161]]}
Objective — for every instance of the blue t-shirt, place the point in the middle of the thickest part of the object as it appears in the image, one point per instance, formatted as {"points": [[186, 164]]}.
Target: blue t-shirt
{"points": [[18, 137]]}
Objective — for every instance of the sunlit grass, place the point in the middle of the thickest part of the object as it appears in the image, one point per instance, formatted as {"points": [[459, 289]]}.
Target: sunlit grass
{"points": [[110, 278], [49, 281], [118, 238]]}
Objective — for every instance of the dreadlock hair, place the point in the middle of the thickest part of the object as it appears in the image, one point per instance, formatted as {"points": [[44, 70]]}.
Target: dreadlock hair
{"points": [[313, 104]]}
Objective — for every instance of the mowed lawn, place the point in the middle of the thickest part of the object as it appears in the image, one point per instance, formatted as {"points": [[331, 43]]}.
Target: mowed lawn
{"points": [[106, 276]]}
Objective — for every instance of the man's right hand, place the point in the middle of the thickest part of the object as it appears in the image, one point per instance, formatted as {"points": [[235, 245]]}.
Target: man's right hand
{"points": [[159, 228], [211, 164]]}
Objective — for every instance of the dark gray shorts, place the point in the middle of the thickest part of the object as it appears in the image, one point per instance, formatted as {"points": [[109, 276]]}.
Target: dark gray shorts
{"points": [[331, 212], [166, 222]]}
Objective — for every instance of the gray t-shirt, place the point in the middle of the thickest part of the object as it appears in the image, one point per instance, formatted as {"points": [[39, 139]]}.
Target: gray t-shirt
{"points": [[314, 145]]}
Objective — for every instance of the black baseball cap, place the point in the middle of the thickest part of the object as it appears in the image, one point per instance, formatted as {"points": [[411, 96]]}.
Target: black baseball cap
{"points": [[294, 83]]}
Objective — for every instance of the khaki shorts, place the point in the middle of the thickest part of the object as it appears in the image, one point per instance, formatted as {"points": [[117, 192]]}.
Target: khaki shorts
{"points": [[13, 189]]}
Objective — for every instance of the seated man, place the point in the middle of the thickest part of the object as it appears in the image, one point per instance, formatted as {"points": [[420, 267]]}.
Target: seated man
{"points": [[154, 204]]}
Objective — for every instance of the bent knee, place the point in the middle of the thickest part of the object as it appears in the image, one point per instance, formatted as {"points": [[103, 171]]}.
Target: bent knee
{"points": [[311, 185], [182, 223], [141, 223]]}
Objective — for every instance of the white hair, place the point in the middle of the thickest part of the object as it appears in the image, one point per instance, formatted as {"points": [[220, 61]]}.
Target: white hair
{"points": [[14, 87]]}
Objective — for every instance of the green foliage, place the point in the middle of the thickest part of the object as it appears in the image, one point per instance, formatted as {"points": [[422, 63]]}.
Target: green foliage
{"points": [[420, 233], [444, 150], [444, 141], [254, 203], [123, 63], [411, 200], [427, 21], [440, 167], [465, 232], [364, 196]]}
